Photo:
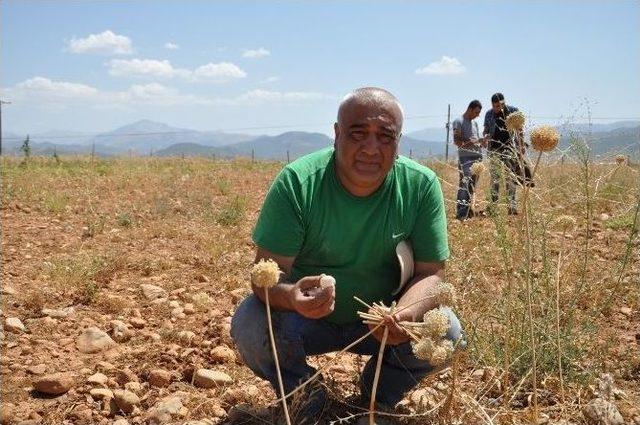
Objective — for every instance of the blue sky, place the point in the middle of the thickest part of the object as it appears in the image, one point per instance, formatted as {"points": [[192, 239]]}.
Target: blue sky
{"points": [[250, 66]]}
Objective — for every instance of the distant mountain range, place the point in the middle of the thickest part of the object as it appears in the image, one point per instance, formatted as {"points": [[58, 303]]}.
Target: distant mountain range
{"points": [[148, 137]]}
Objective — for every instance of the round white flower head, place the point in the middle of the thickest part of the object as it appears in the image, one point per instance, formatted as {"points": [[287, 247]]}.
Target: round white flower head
{"points": [[565, 222], [442, 353], [544, 138], [265, 274], [621, 159], [423, 349], [515, 121], [436, 323], [445, 294], [477, 168]]}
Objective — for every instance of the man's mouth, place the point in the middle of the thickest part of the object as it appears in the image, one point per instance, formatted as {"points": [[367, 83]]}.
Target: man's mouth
{"points": [[367, 167]]}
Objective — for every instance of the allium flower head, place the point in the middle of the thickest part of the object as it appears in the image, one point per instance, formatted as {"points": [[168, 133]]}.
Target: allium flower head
{"points": [[423, 349], [515, 121], [621, 159], [265, 274], [565, 222], [441, 353], [436, 323], [445, 294], [477, 168], [544, 138]]}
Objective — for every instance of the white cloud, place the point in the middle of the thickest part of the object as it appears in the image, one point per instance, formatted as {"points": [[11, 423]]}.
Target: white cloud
{"points": [[171, 46], [45, 92], [256, 53], [259, 96], [216, 72], [141, 67], [61, 89], [445, 66], [106, 42], [219, 72], [270, 80]]}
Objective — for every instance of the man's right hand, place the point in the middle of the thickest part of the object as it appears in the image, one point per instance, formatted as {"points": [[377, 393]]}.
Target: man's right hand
{"points": [[312, 300]]}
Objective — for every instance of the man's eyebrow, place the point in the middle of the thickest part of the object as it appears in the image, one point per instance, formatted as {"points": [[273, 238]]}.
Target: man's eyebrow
{"points": [[357, 126]]}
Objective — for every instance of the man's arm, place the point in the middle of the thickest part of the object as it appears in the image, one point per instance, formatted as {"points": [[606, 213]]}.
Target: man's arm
{"points": [[294, 296], [459, 140], [487, 131], [414, 301]]}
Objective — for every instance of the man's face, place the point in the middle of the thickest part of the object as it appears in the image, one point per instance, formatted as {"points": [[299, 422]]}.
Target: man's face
{"points": [[475, 112], [497, 106], [366, 144]]}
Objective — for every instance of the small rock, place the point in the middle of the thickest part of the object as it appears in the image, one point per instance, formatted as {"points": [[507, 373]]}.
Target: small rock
{"points": [[121, 421], [7, 413], [138, 322], [101, 393], [237, 295], [223, 354], [93, 340], [97, 379], [120, 331], [602, 412], [626, 311], [152, 292], [58, 314], [206, 378], [81, 415], [159, 378], [174, 304], [40, 369], [166, 411], [134, 387], [13, 324], [189, 309], [178, 313], [54, 384], [126, 400], [126, 375], [186, 336]]}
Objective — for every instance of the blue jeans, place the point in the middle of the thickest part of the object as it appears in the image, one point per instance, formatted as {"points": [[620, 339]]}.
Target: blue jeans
{"points": [[467, 185], [298, 337]]}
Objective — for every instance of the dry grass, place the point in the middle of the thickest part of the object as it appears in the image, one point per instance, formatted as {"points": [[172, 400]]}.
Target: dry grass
{"points": [[87, 234]]}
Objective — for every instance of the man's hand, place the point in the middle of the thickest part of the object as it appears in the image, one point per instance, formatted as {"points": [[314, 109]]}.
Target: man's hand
{"points": [[396, 334], [312, 299]]}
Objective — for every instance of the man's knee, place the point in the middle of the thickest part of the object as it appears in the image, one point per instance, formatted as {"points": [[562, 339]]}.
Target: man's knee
{"points": [[249, 329], [454, 333]]}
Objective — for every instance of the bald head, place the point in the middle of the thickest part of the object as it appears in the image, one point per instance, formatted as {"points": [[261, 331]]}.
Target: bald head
{"points": [[375, 98]]}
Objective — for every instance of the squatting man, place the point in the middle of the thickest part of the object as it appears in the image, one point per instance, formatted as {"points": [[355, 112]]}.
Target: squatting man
{"points": [[342, 211]]}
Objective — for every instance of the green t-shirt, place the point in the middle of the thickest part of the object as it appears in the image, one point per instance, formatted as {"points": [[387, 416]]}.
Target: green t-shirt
{"points": [[309, 215]]}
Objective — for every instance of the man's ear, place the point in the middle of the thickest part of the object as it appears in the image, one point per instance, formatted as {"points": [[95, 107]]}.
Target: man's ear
{"points": [[336, 130]]}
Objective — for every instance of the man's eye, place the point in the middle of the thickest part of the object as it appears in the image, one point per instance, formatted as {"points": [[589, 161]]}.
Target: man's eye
{"points": [[358, 135], [387, 138]]}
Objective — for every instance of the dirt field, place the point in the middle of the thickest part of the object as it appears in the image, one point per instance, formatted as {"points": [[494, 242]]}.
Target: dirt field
{"points": [[80, 241]]}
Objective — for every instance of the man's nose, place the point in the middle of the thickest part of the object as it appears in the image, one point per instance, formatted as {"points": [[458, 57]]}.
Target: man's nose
{"points": [[370, 144]]}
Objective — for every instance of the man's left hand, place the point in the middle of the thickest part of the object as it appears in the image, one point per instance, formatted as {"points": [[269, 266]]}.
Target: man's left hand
{"points": [[396, 334]]}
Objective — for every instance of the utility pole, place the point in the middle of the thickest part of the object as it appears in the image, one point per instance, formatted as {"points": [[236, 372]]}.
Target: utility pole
{"points": [[448, 126], [2, 102], [288, 156]]}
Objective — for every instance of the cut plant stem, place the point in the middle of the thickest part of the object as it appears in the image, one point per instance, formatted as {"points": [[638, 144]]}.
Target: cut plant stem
{"points": [[275, 358], [376, 377]]}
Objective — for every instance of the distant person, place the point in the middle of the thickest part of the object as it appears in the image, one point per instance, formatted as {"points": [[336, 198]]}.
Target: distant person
{"points": [[466, 137], [342, 211], [505, 152]]}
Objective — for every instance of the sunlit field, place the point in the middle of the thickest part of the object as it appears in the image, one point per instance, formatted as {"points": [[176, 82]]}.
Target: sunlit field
{"points": [[549, 298]]}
